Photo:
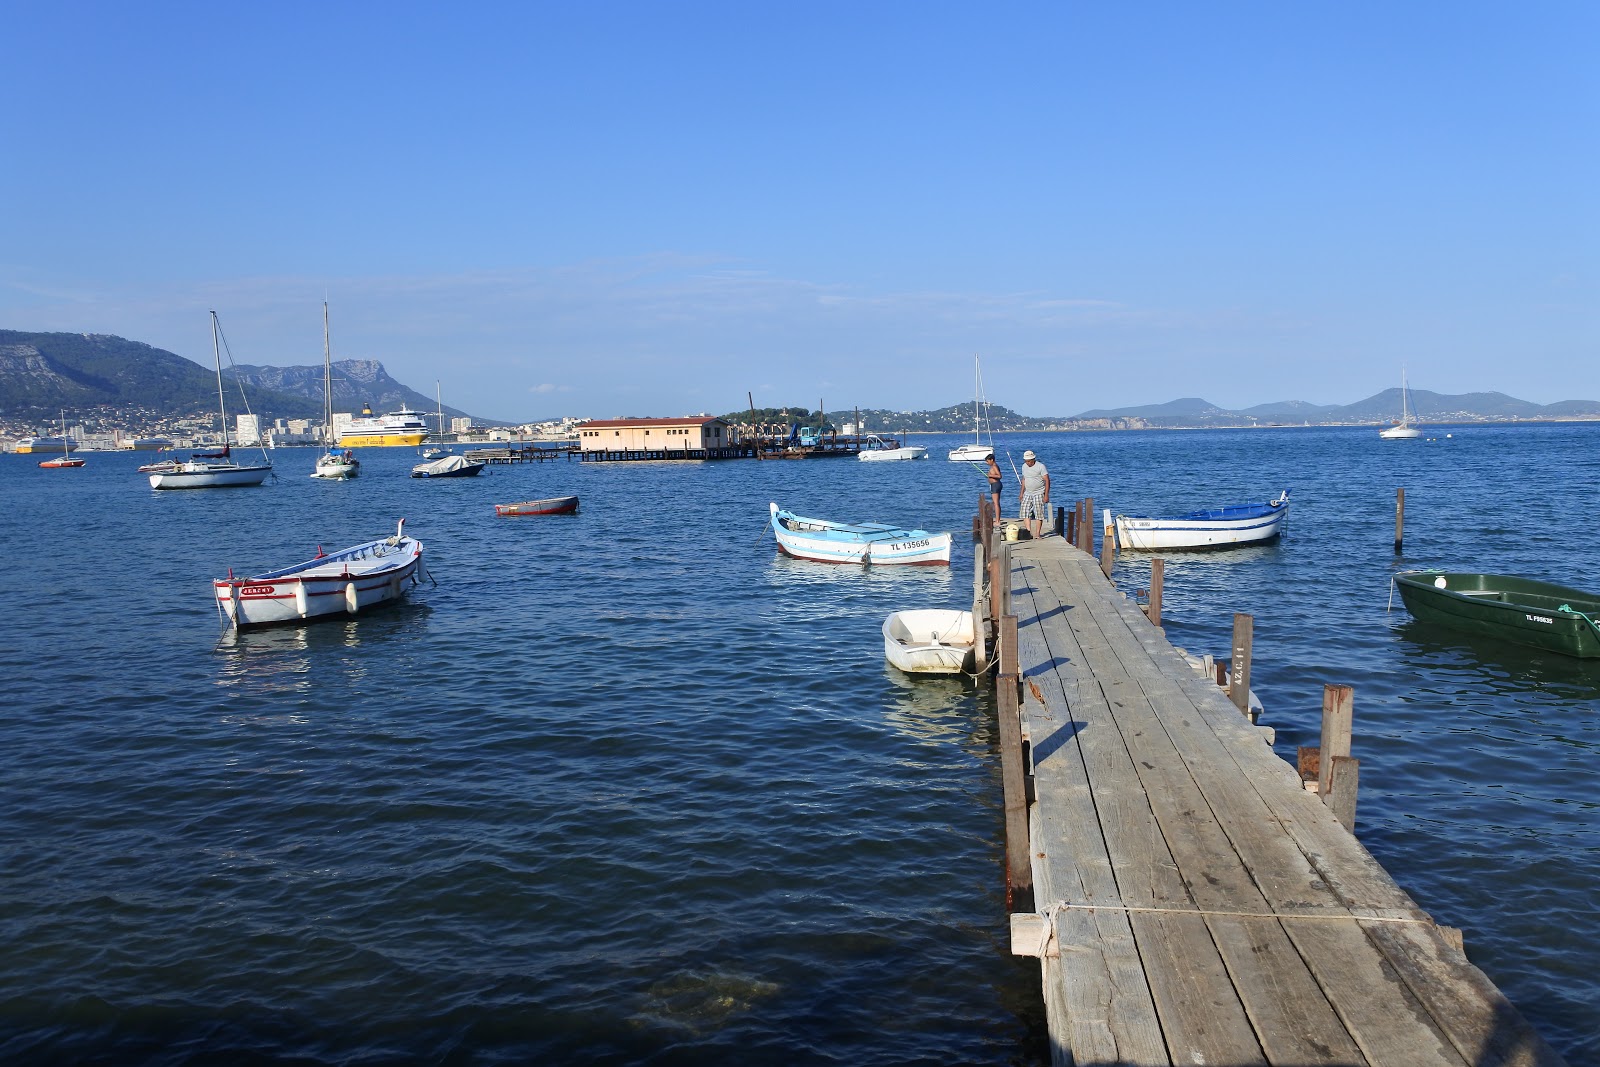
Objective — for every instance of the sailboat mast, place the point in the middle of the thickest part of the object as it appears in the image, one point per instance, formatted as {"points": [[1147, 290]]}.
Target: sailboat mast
{"points": [[327, 380], [222, 404], [438, 398]]}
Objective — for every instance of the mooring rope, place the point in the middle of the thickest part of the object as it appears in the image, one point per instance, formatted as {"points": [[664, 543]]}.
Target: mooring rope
{"points": [[1570, 610]]}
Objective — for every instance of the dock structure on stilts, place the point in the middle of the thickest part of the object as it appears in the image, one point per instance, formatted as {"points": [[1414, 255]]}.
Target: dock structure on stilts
{"points": [[1192, 897]]}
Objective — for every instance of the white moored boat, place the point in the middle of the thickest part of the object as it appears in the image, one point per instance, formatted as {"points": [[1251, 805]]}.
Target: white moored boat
{"points": [[210, 470], [334, 464], [450, 466], [930, 641], [977, 451], [1402, 430], [1224, 527], [343, 583], [877, 449], [857, 542]]}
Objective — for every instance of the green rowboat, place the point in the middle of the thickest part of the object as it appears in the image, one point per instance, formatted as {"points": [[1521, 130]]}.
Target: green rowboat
{"points": [[1519, 610]]}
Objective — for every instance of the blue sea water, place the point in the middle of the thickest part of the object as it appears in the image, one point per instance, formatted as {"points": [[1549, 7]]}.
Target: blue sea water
{"points": [[630, 787]]}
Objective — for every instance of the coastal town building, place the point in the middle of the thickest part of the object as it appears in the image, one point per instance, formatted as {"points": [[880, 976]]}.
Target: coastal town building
{"points": [[655, 435]]}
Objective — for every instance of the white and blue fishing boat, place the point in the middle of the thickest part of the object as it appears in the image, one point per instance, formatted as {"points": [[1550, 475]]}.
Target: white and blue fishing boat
{"points": [[1224, 527], [857, 542]]}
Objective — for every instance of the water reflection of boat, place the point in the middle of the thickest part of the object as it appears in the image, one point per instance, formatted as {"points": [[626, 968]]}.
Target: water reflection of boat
{"points": [[1467, 660]]}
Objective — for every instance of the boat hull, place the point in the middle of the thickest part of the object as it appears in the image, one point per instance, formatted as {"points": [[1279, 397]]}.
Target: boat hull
{"points": [[557, 505], [859, 543], [62, 462], [1400, 433], [1217, 528], [1519, 610], [970, 454], [383, 439], [930, 641], [344, 583], [45, 444], [208, 476], [448, 467], [890, 455], [337, 468]]}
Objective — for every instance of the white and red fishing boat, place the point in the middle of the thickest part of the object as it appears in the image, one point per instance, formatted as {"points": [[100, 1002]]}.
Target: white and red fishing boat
{"points": [[340, 583], [556, 505]]}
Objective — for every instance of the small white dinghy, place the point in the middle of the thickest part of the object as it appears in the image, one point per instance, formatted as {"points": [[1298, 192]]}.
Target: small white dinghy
{"points": [[930, 641]]}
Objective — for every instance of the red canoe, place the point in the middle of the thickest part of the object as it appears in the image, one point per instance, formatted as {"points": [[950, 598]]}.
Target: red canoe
{"points": [[556, 505]]}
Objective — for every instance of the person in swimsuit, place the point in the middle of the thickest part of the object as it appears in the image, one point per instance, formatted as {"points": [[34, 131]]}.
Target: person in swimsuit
{"points": [[995, 484]]}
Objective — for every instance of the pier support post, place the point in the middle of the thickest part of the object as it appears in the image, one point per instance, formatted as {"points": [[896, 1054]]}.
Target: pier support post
{"points": [[1338, 723], [1345, 775], [1071, 535], [1061, 514], [1399, 518], [1108, 546], [1019, 865], [1158, 570], [1086, 527], [1239, 676]]}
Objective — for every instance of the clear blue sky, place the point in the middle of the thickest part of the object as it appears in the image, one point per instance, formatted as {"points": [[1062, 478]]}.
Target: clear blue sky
{"points": [[653, 208]]}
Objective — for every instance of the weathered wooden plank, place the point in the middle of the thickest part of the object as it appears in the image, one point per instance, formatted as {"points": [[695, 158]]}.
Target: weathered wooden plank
{"points": [[1484, 1027]]}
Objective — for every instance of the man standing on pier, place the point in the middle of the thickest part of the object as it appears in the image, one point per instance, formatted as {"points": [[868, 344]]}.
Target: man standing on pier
{"points": [[1035, 493]]}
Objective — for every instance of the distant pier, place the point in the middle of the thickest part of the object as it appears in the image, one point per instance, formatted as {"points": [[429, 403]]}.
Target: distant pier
{"points": [[1190, 897], [760, 447]]}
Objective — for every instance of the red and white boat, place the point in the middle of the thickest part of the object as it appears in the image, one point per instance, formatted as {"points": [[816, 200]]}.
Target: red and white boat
{"points": [[343, 583], [556, 505]]}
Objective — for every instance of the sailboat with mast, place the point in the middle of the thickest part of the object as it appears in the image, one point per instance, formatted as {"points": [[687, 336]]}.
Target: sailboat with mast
{"points": [[335, 464], [976, 452], [211, 470], [1402, 430], [66, 459]]}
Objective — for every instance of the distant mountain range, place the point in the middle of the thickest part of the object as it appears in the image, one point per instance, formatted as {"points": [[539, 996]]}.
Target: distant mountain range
{"points": [[44, 373], [1380, 407]]}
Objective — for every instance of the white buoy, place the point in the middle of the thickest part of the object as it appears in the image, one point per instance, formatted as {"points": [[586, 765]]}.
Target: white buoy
{"points": [[352, 602]]}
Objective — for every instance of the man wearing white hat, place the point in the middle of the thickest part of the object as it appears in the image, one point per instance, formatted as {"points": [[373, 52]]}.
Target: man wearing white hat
{"points": [[1035, 493]]}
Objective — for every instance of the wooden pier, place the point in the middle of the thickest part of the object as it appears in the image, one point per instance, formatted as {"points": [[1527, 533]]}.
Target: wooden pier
{"points": [[830, 447], [521, 454], [1190, 900]]}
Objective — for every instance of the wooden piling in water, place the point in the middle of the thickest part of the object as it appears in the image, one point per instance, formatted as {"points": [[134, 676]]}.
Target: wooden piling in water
{"points": [[1399, 518]]}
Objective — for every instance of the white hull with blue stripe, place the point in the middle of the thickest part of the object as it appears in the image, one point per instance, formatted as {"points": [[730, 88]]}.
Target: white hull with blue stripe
{"points": [[857, 542], [1225, 527]]}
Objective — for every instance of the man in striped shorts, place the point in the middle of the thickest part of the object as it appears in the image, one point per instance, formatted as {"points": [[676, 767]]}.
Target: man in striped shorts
{"points": [[1035, 493]]}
